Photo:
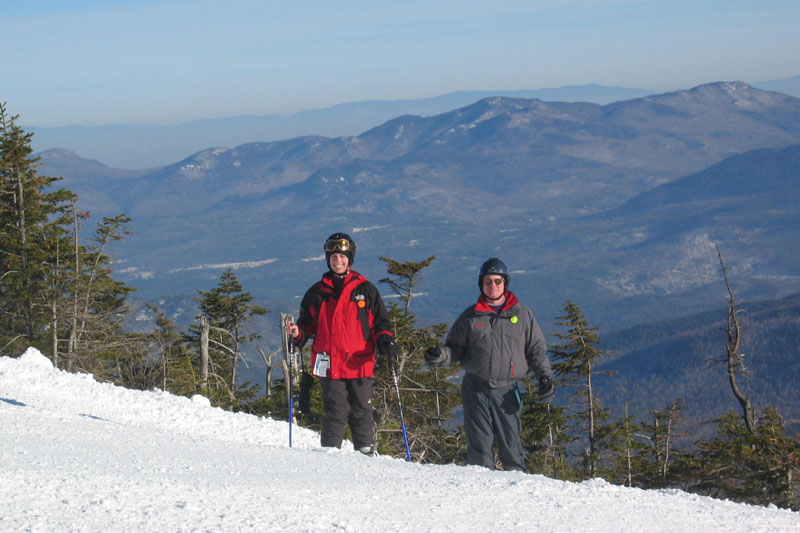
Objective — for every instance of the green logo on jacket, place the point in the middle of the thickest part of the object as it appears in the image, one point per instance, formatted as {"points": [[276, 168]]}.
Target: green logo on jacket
{"points": [[514, 319]]}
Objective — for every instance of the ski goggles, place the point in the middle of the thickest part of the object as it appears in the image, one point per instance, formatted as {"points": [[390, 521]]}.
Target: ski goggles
{"points": [[337, 245]]}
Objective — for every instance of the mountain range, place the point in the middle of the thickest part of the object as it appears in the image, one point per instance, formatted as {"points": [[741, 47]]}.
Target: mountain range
{"points": [[583, 201], [158, 145], [620, 207]]}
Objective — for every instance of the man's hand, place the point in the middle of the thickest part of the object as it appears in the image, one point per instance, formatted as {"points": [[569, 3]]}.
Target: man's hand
{"points": [[434, 356], [546, 389]]}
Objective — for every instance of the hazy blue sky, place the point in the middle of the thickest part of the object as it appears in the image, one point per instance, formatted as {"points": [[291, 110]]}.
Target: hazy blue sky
{"points": [[131, 62]]}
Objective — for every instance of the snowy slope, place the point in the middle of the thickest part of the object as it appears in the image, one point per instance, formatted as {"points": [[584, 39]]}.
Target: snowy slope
{"points": [[77, 455]]}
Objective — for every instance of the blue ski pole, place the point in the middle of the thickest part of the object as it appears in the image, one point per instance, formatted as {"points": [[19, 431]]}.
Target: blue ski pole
{"points": [[290, 367], [291, 415], [400, 406]]}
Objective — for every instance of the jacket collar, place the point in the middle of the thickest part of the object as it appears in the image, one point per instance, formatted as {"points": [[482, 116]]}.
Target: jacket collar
{"points": [[483, 307], [327, 277], [327, 280]]}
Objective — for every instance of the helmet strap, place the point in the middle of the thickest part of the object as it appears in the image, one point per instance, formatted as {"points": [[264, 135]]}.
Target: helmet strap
{"points": [[494, 301]]}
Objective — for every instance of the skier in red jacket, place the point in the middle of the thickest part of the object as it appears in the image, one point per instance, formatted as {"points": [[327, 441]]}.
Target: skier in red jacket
{"points": [[345, 315]]}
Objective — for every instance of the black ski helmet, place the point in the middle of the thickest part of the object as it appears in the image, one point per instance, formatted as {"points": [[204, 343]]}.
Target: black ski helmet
{"points": [[340, 243], [493, 266]]}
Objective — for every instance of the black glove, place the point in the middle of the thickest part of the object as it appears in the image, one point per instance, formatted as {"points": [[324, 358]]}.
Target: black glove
{"points": [[389, 349], [434, 356], [546, 389]]}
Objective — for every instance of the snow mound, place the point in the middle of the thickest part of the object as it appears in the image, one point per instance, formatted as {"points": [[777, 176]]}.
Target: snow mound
{"points": [[34, 357]]}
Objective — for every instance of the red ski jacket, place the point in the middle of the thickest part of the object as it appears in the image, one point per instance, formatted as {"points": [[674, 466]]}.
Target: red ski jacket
{"points": [[345, 326]]}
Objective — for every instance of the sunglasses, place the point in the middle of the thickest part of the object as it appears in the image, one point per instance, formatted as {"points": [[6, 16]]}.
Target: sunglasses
{"points": [[337, 245], [497, 281]]}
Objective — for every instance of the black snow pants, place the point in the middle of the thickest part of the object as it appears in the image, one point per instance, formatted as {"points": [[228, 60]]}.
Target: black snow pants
{"points": [[347, 401]]}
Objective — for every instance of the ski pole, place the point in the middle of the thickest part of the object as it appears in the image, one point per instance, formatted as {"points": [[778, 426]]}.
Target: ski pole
{"points": [[438, 408], [291, 387], [429, 336], [400, 406], [294, 370], [552, 448], [291, 415], [289, 357]]}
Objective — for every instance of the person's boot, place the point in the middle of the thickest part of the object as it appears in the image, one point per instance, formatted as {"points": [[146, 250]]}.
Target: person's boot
{"points": [[368, 450]]}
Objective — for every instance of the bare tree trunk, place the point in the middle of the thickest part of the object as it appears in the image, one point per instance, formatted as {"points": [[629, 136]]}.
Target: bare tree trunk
{"points": [[73, 327], [54, 333], [656, 448], [90, 282], [235, 356], [667, 439], [735, 359], [203, 353], [592, 443], [268, 363], [54, 307], [23, 238], [163, 369], [628, 448]]}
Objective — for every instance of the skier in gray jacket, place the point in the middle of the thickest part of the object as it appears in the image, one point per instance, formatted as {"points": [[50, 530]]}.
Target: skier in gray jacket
{"points": [[496, 341]]}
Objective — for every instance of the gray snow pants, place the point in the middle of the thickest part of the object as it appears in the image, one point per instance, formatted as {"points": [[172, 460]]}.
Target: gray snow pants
{"points": [[347, 401], [488, 414]]}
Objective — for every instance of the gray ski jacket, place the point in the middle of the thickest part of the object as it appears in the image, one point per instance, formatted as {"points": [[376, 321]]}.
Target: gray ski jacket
{"points": [[497, 348]]}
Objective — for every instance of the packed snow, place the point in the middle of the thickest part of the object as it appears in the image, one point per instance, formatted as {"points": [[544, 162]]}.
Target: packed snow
{"points": [[78, 455]]}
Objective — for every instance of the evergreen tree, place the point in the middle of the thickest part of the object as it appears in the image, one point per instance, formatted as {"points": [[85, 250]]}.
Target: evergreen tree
{"points": [[627, 453], [226, 308], [576, 359], [644, 454], [544, 436], [95, 309], [661, 434], [428, 398], [31, 236], [176, 367], [56, 294], [403, 277], [760, 467]]}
